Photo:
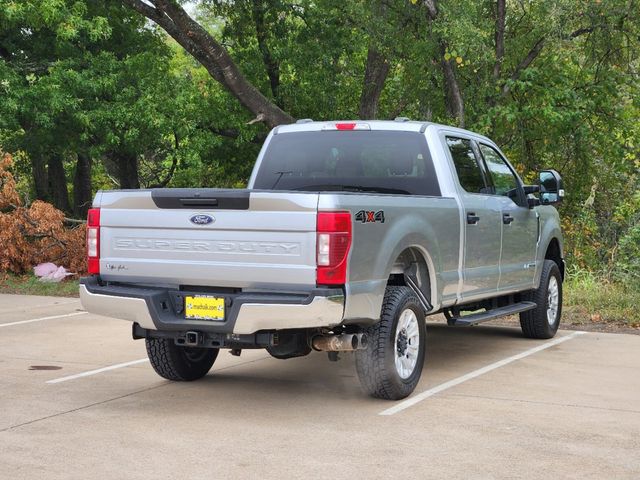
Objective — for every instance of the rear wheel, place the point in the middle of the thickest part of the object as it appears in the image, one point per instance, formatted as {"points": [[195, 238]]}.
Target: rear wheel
{"points": [[182, 364], [544, 320], [390, 367]]}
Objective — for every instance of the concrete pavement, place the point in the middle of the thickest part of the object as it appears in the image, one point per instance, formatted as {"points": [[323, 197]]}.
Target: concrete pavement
{"points": [[569, 411]]}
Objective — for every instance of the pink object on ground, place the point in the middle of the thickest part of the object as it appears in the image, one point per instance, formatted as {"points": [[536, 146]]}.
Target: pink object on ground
{"points": [[49, 272], [44, 269]]}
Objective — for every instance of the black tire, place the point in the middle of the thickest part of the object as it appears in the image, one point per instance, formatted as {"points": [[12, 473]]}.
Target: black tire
{"points": [[535, 323], [181, 364], [376, 365]]}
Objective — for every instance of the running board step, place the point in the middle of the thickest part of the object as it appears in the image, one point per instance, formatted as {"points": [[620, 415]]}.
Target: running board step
{"points": [[487, 315]]}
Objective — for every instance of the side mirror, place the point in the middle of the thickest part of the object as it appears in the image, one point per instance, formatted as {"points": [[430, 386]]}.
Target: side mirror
{"points": [[551, 189]]}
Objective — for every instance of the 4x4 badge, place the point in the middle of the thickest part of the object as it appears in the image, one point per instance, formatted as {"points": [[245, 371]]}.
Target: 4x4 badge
{"points": [[365, 216]]}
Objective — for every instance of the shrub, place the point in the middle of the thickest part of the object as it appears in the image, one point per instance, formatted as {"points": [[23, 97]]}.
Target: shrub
{"points": [[36, 233], [627, 266], [588, 296]]}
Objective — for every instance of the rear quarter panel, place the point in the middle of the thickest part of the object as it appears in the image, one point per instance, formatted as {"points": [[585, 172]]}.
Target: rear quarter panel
{"points": [[430, 224]]}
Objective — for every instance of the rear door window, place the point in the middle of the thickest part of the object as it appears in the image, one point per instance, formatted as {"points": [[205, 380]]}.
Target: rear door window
{"points": [[467, 166]]}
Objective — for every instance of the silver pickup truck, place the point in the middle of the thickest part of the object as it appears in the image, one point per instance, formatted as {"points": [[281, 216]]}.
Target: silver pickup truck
{"points": [[348, 235]]}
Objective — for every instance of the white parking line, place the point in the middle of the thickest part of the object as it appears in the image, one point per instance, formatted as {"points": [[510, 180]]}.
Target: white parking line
{"points": [[411, 401], [99, 370], [22, 322], [41, 305], [135, 362]]}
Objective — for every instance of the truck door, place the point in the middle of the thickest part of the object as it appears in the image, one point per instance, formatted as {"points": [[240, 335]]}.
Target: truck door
{"points": [[482, 221], [519, 223]]}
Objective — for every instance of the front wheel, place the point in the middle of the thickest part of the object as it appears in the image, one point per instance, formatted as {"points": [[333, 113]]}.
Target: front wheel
{"points": [[391, 365], [182, 364], [544, 320]]}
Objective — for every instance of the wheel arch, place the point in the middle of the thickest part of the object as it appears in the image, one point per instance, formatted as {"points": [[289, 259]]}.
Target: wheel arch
{"points": [[369, 275], [554, 252], [425, 278]]}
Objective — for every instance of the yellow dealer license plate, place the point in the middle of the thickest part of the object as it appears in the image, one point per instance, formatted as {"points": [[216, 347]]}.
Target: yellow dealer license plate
{"points": [[204, 308]]}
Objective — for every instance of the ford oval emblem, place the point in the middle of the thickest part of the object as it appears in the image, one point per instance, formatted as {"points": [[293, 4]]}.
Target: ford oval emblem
{"points": [[202, 219]]}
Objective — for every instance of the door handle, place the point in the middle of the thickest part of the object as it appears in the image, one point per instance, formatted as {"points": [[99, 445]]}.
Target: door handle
{"points": [[472, 218], [507, 219]]}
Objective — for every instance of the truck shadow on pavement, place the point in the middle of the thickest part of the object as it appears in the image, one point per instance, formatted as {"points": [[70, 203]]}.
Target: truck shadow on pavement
{"points": [[451, 352]]}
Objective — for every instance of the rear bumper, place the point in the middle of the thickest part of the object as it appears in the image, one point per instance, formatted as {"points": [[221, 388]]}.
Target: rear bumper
{"points": [[247, 313]]}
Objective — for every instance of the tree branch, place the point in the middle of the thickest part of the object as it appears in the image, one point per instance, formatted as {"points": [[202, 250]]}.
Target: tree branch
{"points": [[432, 8], [579, 32], [145, 9], [535, 52], [74, 220], [169, 15], [174, 161], [524, 63]]}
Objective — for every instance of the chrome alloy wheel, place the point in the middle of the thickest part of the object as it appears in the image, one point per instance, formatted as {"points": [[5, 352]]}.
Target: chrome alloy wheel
{"points": [[553, 295], [407, 342]]}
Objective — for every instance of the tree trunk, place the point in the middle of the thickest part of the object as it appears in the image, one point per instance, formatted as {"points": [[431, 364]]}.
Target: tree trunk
{"points": [[453, 96], [375, 75], [127, 170], [499, 38], [82, 186], [169, 15], [58, 183], [271, 65], [40, 177]]}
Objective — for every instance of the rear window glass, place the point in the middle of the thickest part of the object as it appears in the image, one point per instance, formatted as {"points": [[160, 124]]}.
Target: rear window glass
{"points": [[369, 161]]}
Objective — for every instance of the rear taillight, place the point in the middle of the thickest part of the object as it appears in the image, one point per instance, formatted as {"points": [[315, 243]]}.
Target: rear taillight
{"points": [[333, 242], [93, 241]]}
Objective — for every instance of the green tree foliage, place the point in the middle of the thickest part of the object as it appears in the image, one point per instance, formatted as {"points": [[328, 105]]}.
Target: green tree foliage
{"points": [[96, 98], [146, 93]]}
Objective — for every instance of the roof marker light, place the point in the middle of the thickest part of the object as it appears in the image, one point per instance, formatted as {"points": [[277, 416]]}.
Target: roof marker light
{"points": [[347, 126]]}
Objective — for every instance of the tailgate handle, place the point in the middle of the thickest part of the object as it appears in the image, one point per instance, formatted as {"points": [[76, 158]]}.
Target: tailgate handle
{"points": [[199, 202], [215, 198]]}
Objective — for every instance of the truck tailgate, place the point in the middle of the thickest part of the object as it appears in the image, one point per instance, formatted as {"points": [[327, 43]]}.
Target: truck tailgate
{"points": [[270, 240]]}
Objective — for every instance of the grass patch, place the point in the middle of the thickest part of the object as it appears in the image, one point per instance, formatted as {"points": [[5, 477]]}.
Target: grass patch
{"points": [[589, 298], [30, 285]]}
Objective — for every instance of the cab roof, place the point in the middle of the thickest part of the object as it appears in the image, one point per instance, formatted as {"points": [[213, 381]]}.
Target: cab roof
{"points": [[399, 124]]}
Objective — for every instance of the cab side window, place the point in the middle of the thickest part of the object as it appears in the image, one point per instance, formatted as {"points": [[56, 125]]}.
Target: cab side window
{"points": [[503, 179], [467, 168]]}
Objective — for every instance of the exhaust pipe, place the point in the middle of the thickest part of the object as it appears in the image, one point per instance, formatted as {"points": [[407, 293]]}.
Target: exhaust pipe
{"points": [[347, 342]]}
